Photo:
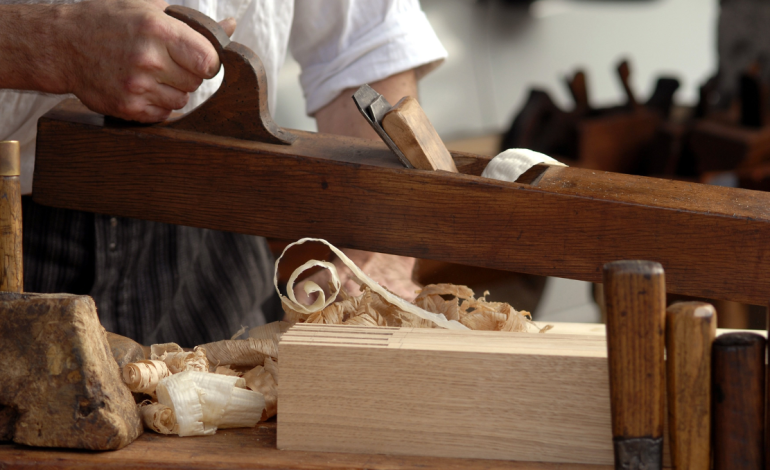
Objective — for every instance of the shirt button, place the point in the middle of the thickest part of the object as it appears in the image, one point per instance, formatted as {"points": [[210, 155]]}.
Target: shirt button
{"points": [[114, 222], [113, 245]]}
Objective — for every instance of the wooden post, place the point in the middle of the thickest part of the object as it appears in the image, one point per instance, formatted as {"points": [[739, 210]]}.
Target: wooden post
{"points": [[738, 378], [635, 297], [11, 270], [690, 331]]}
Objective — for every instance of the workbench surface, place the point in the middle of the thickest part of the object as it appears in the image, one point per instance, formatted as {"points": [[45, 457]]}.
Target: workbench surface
{"points": [[240, 448]]}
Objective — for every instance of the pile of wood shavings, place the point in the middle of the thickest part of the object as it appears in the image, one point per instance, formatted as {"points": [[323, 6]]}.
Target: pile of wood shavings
{"points": [[252, 364], [436, 306], [230, 383]]}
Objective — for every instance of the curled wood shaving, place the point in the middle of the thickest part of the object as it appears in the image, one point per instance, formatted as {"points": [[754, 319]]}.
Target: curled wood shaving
{"points": [[296, 312], [158, 417], [241, 352], [261, 380], [143, 376], [180, 360], [226, 370]]}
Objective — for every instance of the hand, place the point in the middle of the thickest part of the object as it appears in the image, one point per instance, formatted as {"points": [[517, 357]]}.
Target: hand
{"points": [[128, 59]]}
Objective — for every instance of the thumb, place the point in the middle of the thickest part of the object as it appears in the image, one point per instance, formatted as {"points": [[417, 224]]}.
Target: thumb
{"points": [[229, 25]]}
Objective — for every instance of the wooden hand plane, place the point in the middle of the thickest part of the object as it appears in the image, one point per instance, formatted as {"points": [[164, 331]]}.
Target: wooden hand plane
{"points": [[211, 169]]}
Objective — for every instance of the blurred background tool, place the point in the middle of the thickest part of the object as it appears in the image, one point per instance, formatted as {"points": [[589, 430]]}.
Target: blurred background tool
{"points": [[690, 330], [738, 377], [635, 296]]}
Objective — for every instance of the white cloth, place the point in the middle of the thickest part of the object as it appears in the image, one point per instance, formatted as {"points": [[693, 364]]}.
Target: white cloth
{"points": [[338, 44], [512, 163]]}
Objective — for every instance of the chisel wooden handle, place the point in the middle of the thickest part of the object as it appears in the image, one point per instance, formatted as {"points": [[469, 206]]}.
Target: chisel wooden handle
{"points": [[738, 377], [11, 258], [635, 297], [690, 331]]}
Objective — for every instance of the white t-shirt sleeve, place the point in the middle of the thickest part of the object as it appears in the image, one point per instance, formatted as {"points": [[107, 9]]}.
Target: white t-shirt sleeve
{"points": [[346, 43]]}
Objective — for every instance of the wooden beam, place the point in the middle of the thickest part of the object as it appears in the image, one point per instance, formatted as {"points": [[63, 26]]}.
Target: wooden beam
{"points": [[711, 241]]}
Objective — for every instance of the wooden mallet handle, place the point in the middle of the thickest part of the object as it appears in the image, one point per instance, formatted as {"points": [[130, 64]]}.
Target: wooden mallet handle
{"points": [[635, 296], [738, 378], [11, 257], [690, 331]]}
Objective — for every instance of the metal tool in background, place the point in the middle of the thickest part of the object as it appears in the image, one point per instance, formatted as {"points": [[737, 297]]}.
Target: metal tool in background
{"points": [[374, 106]]}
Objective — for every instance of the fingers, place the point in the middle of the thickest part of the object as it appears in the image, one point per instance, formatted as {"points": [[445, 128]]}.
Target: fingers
{"points": [[192, 52], [228, 24]]}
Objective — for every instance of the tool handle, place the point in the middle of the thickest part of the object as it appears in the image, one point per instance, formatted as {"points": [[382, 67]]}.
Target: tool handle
{"points": [[738, 388], [690, 331], [635, 297], [11, 256], [578, 88], [624, 72], [239, 108]]}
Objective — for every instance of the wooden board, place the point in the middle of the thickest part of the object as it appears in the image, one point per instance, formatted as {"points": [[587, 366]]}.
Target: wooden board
{"points": [[431, 392], [712, 241], [240, 449]]}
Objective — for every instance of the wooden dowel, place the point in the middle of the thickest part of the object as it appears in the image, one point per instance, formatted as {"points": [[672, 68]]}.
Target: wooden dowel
{"points": [[690, 331], [11, 266], [635, 297], [738, 378]]}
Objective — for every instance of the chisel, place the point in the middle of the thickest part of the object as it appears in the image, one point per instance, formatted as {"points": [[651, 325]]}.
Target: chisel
{"points": [[635, 297], [738, 380], [690, 331]]}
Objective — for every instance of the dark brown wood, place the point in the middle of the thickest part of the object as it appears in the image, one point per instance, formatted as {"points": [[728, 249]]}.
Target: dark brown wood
{"points": [[690, 331], [239, 108], [738, 374], [635, 299], [11, 259], [624, 73], [578, 88], [616, 142], [712, 241], [241, 449]]}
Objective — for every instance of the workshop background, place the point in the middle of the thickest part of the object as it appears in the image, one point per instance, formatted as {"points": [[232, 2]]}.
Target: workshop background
{"points": [[498, 50]]}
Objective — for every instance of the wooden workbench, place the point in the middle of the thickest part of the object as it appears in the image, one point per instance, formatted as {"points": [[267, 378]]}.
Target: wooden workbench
{"points": [[240, 449]]}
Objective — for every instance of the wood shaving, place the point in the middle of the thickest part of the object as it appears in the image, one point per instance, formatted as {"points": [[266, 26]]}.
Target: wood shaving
{"points": [[241, 352], [179, 360], [158, 417], [226, 370], [144, 376], [261, 380], [296, 312], [437, 305]]}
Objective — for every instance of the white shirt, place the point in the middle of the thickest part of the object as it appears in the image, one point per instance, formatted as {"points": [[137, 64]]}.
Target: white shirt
{"points": [[338, 44]]}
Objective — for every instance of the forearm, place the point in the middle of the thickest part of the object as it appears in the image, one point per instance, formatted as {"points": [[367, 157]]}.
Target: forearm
{"points": [[29, 53], [341, 116]]}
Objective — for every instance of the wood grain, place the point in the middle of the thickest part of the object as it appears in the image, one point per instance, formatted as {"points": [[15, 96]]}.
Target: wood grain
{"points": [[353, 193], [241, 449], [239, 108], [690, 330], [738, 377], [11, 259], [411, 131], [476, 394], [635, 298]]}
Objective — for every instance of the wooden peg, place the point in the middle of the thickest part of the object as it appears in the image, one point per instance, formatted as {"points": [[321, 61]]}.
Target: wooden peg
{"points": [[690, 330], [411, 131], [635, 297], [738, 380], [578, 88], [624, 72], [11, 258]]}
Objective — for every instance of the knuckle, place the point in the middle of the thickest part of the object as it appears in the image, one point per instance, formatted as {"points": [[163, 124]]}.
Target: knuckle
{"points": [[135, 86], [155, 26], [208, 62]]}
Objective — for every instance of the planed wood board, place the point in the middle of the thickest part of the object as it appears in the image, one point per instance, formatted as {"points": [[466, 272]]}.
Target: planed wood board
{"points": [[431, 392], [711, 241]]}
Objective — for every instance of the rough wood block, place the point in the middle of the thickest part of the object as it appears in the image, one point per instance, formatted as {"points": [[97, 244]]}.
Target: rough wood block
{"points": [[441, 393], [59, 375]]}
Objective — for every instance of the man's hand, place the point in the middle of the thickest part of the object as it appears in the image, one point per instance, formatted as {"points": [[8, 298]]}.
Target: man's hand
{"points": [[124, 58]]}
